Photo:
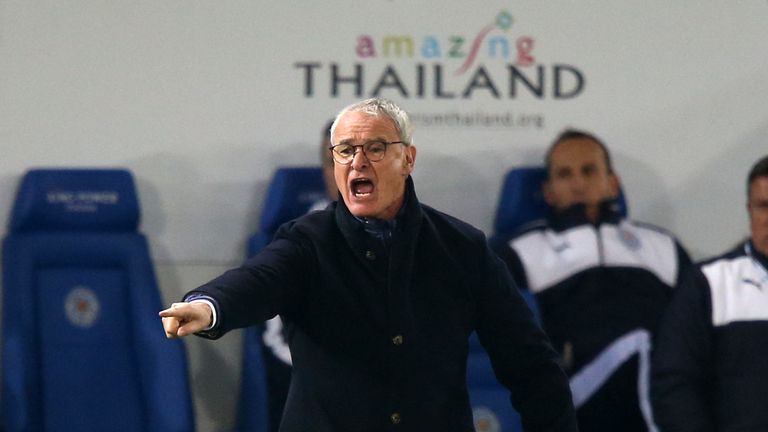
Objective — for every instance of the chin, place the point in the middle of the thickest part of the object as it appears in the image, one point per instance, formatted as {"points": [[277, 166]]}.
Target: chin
{"points": [[360, 211], [761, 246]]}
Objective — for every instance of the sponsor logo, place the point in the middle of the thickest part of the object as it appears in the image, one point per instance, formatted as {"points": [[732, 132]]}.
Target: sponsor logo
{"points": [[561, 247], [82, 201], [82, 307], [758, 285], [494, 62], [629, 239]]}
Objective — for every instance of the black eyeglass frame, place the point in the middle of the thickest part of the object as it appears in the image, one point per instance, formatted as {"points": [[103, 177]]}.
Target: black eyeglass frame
{"points": [[335, 154]]}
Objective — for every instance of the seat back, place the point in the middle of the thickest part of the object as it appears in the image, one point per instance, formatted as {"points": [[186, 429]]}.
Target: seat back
{"points": [[291, 193], [83, 348], [521, 201], [254, 411]]}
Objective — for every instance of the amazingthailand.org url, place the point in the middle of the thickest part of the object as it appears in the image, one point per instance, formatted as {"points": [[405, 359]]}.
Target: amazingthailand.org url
{"points": [[479, 119]]}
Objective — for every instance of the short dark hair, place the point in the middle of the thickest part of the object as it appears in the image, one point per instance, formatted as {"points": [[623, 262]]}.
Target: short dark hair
{"points": [[759, 169], [327, 130], [570, 133]]}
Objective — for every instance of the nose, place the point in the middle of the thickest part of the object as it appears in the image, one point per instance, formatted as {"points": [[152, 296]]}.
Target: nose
{"points": [[359, 160], [578, 184]]}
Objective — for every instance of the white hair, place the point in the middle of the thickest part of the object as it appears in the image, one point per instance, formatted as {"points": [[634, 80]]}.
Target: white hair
{"points": [[380, 107]]}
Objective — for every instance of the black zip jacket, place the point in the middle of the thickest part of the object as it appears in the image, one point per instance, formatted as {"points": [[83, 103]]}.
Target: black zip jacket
{"points": [[601, 290]]}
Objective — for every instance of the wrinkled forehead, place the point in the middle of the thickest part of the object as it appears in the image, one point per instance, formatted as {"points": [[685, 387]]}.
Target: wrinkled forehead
{"points": [[360, 126]]}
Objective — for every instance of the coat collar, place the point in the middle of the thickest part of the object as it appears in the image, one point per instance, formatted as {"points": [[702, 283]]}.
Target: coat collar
{"points": [[408, 217], [401, 264], [761, 259], [576, 215]]}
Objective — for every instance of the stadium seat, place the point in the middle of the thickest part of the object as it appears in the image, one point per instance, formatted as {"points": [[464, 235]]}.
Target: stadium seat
{"points": [[264, 384], [83, 348], [520, 201], [291, 193], [253, 406]]}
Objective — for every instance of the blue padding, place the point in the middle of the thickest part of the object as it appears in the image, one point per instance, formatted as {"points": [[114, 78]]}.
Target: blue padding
{"points": [[253, 412], [132, 336], [521, 200], [85, 337], [76, 199], [83, 347], [258, 241], [291, 193]]}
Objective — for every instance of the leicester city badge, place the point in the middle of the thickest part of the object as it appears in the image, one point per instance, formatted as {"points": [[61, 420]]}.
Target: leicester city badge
{"points": [[82, 306], [629, 239], [485, 419]]}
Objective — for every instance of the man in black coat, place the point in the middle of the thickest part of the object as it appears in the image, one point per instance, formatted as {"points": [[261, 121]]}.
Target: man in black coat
{"points": [[379, 294], [709, 369]]}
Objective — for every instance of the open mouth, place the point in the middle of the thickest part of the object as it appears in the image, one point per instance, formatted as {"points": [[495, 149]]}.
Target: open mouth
{"points": [[361, 187]]}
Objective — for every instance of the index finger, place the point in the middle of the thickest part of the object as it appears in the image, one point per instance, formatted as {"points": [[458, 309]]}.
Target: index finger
{"points": [[176, 310]]}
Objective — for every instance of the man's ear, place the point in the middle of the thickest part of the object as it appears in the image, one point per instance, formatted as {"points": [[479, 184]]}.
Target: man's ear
{"points": [[410, 158], [615, 185]]}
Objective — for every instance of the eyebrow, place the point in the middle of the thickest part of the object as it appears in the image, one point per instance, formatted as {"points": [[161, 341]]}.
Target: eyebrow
{"points": [[350, 140]]}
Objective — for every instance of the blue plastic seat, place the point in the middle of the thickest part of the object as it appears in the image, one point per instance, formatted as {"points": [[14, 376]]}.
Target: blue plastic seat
{"points": [[253, 410], [521, 200], [291, 193], [83, 347]]}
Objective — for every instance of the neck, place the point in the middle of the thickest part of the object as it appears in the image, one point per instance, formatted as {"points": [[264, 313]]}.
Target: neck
{"points": [[592, 213]]}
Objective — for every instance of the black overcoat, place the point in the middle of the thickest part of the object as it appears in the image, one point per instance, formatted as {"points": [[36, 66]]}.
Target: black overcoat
{"points": [[379, 334]]}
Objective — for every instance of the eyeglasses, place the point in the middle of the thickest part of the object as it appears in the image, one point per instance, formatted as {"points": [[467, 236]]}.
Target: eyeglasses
{"points": [[374, 151]]}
